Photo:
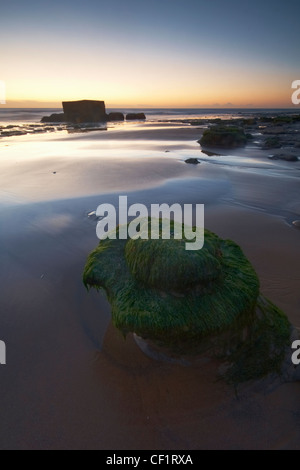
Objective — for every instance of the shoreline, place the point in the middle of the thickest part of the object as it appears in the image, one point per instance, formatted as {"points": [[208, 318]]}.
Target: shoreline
{"points": [[257, 121]]}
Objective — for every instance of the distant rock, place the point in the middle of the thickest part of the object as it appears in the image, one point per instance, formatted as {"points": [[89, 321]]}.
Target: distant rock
{"points": [[193, 161], [223, 137], [85, 111], [116, 116], [135, 117], [54, 118], [12, 133], [89, 111], [286, 157], [272, 143]]}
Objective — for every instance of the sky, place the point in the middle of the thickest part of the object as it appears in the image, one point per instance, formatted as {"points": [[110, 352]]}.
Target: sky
{"points": [[160, 53]]}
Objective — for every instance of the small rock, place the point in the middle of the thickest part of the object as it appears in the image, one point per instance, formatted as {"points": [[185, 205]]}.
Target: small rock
{"points": [[12, 133], [93, 216], [135, 116], [290, 158], [54, 118], [193, 161], [286, 157], [296, 223], [116, 116]]}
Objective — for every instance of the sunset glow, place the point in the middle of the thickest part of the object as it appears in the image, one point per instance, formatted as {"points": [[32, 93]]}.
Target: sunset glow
{"points": [[167, 54]]}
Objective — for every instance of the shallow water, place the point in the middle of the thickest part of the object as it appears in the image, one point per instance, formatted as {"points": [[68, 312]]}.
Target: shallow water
{"points": [[71, 380]]}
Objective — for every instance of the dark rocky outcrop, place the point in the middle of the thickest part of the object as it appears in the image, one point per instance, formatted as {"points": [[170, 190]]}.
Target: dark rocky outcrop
{"points": [[85, 111], [135, 116], [54, 118], [12, 133], [224, 137], [116, 116], [89, 111], [272, 143], [285, 156]]}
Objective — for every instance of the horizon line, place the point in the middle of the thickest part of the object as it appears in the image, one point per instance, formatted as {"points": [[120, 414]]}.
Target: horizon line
{"points": [[54, 106]]}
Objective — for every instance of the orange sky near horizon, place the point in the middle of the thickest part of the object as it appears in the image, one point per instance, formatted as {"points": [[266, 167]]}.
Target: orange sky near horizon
{"points": [[229, 90], [139, 54]]}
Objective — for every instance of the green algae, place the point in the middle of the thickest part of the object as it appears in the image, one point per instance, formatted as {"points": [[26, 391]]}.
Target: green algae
{"points": [[223, 136], [264, 350], [191, 302]]}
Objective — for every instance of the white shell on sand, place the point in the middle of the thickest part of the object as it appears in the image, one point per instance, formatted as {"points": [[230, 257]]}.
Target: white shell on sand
{"points": [[296, 223]]}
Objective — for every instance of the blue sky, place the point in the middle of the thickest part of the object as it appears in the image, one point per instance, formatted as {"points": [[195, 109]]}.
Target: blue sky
{"points": [[162, 52]]}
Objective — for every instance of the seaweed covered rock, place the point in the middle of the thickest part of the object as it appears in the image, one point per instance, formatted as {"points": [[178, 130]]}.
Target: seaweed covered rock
{"points": [[192, 302], [272, 143], [224, 137]]}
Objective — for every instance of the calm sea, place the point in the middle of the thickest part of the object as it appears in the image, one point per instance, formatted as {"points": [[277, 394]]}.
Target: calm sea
{"points": [[34, 115]]}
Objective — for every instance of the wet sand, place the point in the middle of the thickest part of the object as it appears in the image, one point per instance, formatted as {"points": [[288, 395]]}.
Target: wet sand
{"points": [[71, 381]]}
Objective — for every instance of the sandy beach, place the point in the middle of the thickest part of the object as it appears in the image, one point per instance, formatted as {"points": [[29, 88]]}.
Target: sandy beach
{"points": [[71, 380]]}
